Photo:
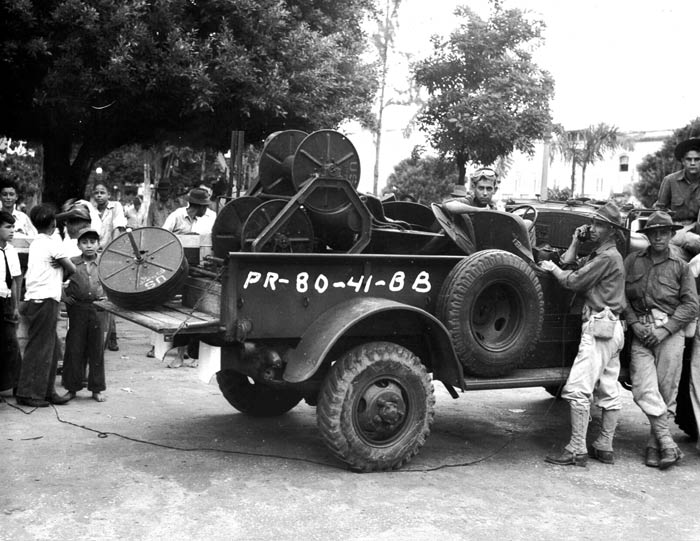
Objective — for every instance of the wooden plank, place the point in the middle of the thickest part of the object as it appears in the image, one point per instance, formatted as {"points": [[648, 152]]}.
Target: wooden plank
{"points": [[168, 319]]}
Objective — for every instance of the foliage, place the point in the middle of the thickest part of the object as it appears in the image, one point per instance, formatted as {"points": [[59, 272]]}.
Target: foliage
{"points": [[586, 147], [427, 179], [84, 77], [486, 95], [22, 165], [558, 194], [654, 167]]}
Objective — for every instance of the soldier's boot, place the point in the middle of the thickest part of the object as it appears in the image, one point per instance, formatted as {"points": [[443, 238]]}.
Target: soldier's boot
{"points": [[602, 448], [670, 453], [574, 454]]}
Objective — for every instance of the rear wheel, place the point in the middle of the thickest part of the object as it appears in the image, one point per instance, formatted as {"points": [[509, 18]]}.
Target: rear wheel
{"points": [[256, 399], [493, 306], [376, 407]]}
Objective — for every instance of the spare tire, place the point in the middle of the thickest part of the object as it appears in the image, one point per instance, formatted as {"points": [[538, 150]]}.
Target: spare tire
{"points": [[493, 307]]}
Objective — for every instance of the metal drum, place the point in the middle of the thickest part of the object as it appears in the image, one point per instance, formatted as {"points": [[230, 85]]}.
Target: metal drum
{"points": [[328, 154], [275, 165], [143, 268], [226, 231]]}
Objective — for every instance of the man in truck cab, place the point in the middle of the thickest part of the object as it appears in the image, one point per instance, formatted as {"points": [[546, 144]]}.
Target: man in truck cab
{"points": [[484, 185], [600, 279]]}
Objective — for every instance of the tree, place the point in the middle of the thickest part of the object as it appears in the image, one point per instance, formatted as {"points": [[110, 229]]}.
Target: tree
{"points": [[85, 77], [486, 95], [586, 147], [383, 40], [428, 179], [654, 167]]}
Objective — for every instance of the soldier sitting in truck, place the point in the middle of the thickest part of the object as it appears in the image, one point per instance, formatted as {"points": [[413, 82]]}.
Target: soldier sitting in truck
{"points": [[484, 185]]}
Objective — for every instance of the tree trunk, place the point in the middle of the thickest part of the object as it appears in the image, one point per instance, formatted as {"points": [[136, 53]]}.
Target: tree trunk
{"points": [[583, 179], [573, 176], [461, 161], [382, 84], [61, 181]]}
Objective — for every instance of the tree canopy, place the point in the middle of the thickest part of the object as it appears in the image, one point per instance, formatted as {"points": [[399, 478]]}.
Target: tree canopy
{"points": [[656, 166], [427, 179], [486, 95], [84, 77]]}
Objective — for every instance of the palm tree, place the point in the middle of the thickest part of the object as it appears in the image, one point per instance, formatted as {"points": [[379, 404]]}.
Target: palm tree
{"points": [[597, 142], [567, 143], [586, 147]]}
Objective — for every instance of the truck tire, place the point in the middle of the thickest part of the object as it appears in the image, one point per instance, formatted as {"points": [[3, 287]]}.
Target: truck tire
{"points": [[493, 307], [375, 407], [685, 416], [255, 399]]}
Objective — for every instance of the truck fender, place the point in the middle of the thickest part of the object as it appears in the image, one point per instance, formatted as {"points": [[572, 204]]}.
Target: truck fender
{"points": [[318, 340]]}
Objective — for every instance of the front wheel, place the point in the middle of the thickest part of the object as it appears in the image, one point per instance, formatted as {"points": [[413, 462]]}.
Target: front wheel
{"points": [[376, 407], [256, 399]]}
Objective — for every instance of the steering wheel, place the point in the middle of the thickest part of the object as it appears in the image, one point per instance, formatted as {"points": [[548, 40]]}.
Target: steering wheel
{"points": [[525, 212]]}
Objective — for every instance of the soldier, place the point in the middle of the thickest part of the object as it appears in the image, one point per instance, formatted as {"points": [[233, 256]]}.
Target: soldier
{"points": [[596, 367], [484, 184], [680, 194], [662, 300]]}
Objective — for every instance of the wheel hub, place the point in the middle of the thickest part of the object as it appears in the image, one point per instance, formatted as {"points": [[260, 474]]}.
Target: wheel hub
{"points": [[381, 411]]}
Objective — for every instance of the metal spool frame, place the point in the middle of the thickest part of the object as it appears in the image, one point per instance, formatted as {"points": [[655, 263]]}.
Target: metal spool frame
{"points": [[294, 234]]}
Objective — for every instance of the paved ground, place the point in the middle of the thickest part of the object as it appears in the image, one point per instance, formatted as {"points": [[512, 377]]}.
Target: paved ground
{"points": [[166, 458]]}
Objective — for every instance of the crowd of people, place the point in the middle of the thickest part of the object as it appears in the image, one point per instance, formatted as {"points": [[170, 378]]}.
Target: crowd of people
{"points": [[62, 269]]}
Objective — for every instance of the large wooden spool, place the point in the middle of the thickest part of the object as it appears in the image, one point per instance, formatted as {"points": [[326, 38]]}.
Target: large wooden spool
{"points": [[143, 268]]}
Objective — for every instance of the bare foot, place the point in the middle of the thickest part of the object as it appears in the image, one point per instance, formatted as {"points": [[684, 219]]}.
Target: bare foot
{"points": [[98, 397]]}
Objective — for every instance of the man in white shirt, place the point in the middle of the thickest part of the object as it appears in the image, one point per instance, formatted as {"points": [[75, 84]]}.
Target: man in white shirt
{"points": [[10, 283], [194, 219], [8, 198], [112, 218]]}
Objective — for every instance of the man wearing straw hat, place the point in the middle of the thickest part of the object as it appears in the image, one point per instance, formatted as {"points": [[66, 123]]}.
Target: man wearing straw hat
{"points": [[596, 368], [662, 301]]}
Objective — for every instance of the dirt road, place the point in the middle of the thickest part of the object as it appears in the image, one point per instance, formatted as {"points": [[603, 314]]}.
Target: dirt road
{"points": [[166, 457]]}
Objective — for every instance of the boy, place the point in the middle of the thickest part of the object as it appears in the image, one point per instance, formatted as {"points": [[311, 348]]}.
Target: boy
{"points": [[85, 339], [46, 268], [10, 282]]}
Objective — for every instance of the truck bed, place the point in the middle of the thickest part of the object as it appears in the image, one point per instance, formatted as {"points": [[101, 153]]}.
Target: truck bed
{"points": [[169, 319]]}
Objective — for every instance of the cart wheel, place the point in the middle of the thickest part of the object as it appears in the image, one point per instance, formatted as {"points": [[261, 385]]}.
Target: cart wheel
{"points": [[255, 399], [375, 407], [275, 165], [226, 231], [294, 235]]}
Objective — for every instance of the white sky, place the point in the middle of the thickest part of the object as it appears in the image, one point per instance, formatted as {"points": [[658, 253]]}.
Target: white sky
{"points": [[617, 61], [623, 62]]}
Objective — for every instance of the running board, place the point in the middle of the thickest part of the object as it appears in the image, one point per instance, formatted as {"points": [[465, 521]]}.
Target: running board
{"points": [[523, 377]]}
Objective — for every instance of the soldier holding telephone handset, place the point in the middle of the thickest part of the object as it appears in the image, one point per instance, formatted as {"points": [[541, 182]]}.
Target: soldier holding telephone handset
{"points": [[600, 279]]}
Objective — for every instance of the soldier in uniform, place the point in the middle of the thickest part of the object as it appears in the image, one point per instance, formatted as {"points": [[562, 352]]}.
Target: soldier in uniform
{"points": [[596, 368], [662, 300]]}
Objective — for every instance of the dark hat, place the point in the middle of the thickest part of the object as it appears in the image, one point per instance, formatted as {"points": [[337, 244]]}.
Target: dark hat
{"points": [[659, 220], [609, 213], [684, 147], [74, 211], [87, 231], [198, 196]]}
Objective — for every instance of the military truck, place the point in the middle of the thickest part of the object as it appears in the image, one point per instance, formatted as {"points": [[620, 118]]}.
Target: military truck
{"points": [[315, 292]]}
